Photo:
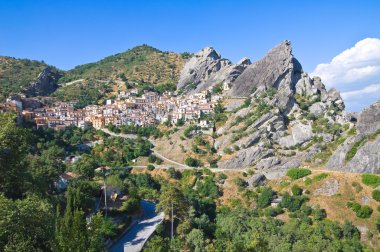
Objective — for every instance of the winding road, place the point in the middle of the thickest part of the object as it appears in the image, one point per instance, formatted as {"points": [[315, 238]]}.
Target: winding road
{"points": [[136, 237]]}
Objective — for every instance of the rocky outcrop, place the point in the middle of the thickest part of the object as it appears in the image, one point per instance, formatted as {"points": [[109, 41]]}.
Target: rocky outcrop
{"points": [[45, 84], [278, 69], [206, 68], [369, 119], [300, 133], [256, 180], [245, 158]]}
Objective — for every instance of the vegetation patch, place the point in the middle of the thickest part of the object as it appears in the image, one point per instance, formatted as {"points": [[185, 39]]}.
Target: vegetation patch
{"points": [[361, 211], [297, 173], [371, 180], [357, 145]]}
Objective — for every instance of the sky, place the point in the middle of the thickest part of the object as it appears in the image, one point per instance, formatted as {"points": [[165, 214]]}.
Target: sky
{"points": [[72, 32]]}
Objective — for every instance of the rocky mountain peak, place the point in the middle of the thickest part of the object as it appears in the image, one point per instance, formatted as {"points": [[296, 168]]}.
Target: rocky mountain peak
{"points": [[208, 52]]}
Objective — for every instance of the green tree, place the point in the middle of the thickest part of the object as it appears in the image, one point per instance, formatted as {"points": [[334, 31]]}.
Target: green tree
{"points": [[86, 166], [196, 240], [14, 147], [173, 196], [265, 197], [26, 223]]}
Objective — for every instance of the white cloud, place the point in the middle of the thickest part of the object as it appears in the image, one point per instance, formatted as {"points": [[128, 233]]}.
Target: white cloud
{"points": [[354, 71], [369, 90]]}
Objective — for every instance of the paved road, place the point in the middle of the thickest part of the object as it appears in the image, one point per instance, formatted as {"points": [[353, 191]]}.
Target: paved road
{"points": [[135, 238]]}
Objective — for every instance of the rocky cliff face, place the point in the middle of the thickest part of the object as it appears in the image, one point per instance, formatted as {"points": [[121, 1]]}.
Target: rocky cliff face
{"points": [[206, 68], [292, 119], [45, 84]]}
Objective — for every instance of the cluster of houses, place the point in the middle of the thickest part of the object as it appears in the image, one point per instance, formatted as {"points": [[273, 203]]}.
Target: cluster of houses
{"points": [[127, 109]]}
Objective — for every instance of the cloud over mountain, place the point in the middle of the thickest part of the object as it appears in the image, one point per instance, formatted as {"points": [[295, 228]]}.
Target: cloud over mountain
{"points": [[356, 72]]}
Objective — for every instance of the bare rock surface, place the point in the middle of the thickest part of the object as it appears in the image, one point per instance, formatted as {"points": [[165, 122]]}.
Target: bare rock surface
{"points": [[329, 188]]}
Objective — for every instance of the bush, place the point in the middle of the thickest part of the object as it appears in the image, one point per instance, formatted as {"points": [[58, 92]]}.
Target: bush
{"points": [[321, 176], [273, 212], [376, 195], [152, 158], [308, 181], [240, 183], [371, 180], [173, 173], [193, 162], [265, 197], [364, 212], [292, 203], [296, 173], [296, 190], [358, 187], [227, 150], [222, 177], [150, 167], [159, 161], [131, 205], [361, 211]]}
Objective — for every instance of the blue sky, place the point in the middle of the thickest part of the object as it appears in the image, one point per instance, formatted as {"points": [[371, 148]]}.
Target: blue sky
{"points": [[68, 33]]}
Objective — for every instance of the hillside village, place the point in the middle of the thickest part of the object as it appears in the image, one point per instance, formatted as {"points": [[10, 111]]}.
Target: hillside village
{"points": [[127, 109]]}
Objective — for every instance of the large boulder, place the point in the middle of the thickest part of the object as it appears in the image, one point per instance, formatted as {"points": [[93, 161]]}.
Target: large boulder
{"points": [[245, 158], [300, 133], [369, 119]]}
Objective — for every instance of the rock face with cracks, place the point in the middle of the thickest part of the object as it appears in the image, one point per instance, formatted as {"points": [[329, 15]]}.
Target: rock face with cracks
{"points": [[292, 119]]}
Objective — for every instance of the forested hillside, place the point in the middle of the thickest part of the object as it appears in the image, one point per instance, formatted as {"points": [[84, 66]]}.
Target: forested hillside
{"points": [[16, 74], [140, 64]]}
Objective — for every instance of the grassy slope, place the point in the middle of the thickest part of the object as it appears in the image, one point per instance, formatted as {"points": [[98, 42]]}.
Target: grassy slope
{"points": [[16, 74]]}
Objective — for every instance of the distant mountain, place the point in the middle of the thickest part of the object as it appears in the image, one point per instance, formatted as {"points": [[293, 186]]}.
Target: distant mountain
{"points": [[139, 64], [17, 74]]}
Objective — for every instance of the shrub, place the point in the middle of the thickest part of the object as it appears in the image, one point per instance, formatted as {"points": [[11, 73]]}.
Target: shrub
{"points": [[364, 212], [361, 211], [227, 150], [152, 158], [284, 183], [319, 214], [296, 190], [131, 205], [273, 212], [308, 181], [376, 195], [371, 180], [193, 162], [296, 173], [265, 197], [159, 161], [150, 167], [321, 176], [292, 203], [173, 173], [222, 177], [357, 186], [240, 183]]}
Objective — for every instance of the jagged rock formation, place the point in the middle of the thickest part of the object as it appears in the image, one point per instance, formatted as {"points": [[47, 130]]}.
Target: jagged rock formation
{"points": [[46, 83], [292, 119], [207, 68]]}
